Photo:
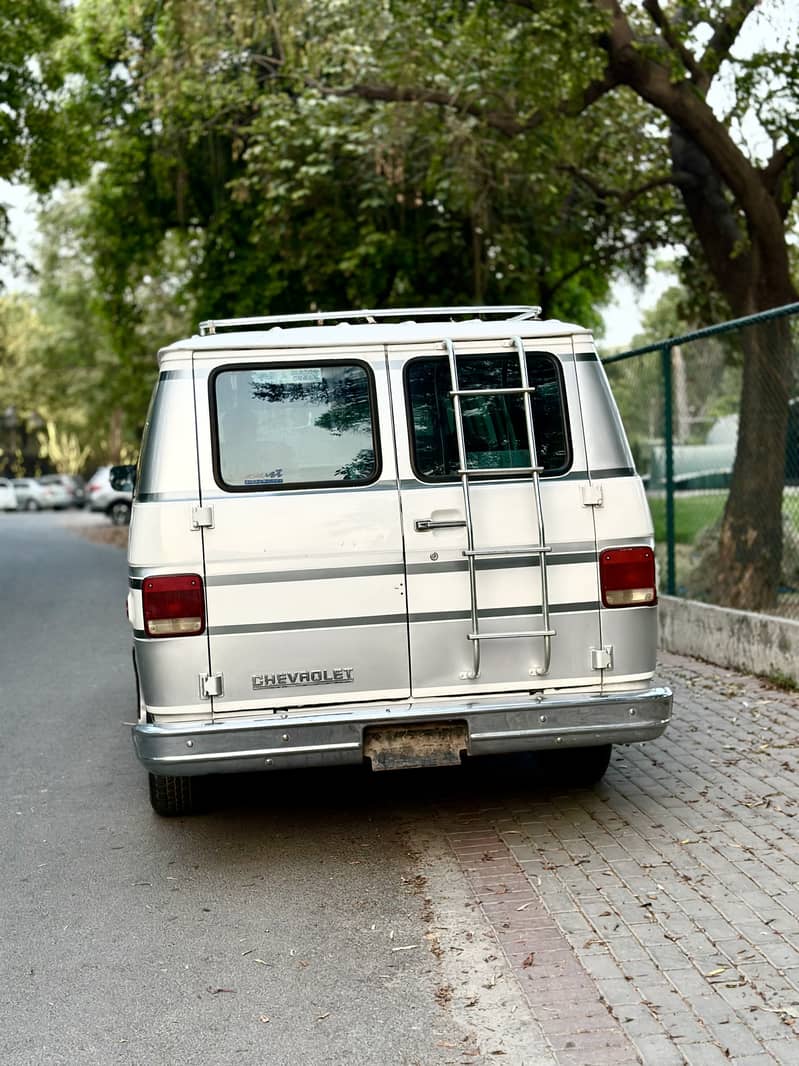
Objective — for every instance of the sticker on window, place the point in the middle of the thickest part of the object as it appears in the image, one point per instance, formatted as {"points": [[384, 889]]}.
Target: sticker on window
{"points": [[294, 375], [274, 477]]}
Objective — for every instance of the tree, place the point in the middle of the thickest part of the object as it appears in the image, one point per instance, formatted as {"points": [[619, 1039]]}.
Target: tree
{"points": [[216, 121], [737, 209], [735, 206], [35, 119]]}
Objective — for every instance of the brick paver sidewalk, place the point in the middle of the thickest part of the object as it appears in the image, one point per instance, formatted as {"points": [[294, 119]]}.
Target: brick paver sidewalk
{"points": [[656, 917]]}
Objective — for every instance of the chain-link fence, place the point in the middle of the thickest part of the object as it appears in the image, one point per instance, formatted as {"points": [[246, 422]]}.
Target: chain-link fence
{"points": [[684, 401]]}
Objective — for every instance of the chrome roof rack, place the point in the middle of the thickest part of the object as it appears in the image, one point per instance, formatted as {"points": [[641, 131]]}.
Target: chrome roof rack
{"points": [[514, 312]]}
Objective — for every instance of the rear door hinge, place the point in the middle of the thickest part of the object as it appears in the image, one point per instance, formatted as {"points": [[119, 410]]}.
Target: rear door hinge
{"points": [[602, 658], [592, 495], [202, 518], [211, 685]]}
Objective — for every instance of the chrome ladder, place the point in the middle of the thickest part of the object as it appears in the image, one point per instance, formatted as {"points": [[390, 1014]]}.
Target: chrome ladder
{"points": [[541, 550]]}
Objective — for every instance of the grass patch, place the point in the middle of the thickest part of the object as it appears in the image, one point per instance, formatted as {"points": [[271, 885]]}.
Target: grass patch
{"points": [[692, 514], [781, 681]]}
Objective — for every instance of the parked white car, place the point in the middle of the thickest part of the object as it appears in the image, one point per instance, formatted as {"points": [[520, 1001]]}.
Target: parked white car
{"points": [[102, 497], [33, 496], [8, 497]]}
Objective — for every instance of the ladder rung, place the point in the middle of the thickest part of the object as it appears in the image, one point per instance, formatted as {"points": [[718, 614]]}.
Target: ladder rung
{"points": [[493, 471], [508, 636], [519, 391], [486, 553]]}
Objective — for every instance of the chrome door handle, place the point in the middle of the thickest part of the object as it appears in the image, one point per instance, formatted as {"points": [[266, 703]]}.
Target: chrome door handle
{"points": [[425, 525]]}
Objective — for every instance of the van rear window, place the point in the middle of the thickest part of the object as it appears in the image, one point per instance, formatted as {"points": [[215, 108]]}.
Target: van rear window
{"points": [[494, 427], [294, 426]]}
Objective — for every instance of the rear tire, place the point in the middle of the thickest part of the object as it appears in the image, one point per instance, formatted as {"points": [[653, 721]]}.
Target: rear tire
{"points": [[31, 505], [575, 767], [119, 513], [173, 796]]}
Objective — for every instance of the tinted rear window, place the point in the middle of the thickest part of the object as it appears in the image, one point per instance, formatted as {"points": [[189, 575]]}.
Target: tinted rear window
{"points": [[494, 426]]}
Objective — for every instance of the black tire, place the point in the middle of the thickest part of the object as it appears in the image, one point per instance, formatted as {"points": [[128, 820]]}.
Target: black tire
{"points": [[119, 512], [173, 796], [31, 505], [575, 767]]}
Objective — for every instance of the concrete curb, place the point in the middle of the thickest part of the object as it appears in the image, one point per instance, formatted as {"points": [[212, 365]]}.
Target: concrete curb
{"points": [[752, 643]]}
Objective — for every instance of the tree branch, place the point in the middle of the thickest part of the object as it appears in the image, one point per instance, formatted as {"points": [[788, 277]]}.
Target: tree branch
{"points": [[724, 35], [629, 195], [499, 120], [680, 103], [504, 121], [781, 177], [658, 16]]}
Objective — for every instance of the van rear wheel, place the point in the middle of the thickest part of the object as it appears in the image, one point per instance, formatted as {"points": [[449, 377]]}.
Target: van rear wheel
{"points": [[173, 796], [119, 512], [575, 767]]}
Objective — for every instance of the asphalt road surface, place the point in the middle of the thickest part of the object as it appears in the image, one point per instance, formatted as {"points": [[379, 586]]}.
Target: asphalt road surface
{"points": [[311, 918]]}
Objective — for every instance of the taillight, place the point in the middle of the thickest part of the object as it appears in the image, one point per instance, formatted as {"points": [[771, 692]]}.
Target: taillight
{"points": [[627, 577], [173, 605]]}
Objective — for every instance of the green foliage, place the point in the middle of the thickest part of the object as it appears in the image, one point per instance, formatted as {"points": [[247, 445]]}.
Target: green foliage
{"points": [[38, 117], [243, 157], [295, 197]]}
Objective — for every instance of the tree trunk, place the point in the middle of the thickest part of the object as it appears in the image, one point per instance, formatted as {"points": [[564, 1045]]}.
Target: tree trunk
{"points": [[115, 436], [751, 270], [750, 543]]}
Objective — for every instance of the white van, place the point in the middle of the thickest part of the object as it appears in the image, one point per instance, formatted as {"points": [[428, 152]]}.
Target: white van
{"points": [[400, 536]]}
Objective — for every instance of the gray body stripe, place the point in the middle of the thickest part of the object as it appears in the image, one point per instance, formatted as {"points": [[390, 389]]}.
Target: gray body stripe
{"points": [[407, 485], [310, 623], [398, 619], [231, 497], [172, 375], [165, 497], [554, 479], [506, 612], [330, 573], [615, 471], [517, 563], [579, 552], [343, 572]]}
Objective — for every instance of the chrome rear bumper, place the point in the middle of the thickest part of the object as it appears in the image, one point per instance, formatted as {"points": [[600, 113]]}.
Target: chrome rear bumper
{"points": [[336, 735]]}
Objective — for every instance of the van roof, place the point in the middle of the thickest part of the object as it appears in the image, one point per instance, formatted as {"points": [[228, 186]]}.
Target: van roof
{"points": [[301, 331]]}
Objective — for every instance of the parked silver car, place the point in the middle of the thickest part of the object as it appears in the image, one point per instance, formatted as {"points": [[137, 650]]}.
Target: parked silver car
{"points": [[102, 496], [58, 497], [32, 495], [71, 485]]}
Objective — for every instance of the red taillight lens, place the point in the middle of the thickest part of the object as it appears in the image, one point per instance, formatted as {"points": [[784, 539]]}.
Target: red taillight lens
{"points": [[173, 605], [627, 577]]}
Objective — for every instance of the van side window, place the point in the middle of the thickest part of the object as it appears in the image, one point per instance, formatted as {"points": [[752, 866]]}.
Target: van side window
{"points": [[494, 426], [294, 426]]}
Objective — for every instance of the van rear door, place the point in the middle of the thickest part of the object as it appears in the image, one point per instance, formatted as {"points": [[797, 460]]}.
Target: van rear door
{"points": [[502, 577], [304, 568]]}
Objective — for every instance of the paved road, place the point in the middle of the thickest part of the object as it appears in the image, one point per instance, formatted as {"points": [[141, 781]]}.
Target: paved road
{"points": [[434, 917], [292, 926]]}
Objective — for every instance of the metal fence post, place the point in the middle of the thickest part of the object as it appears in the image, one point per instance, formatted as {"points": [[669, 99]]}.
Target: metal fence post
{"points": [[668, 438]]}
